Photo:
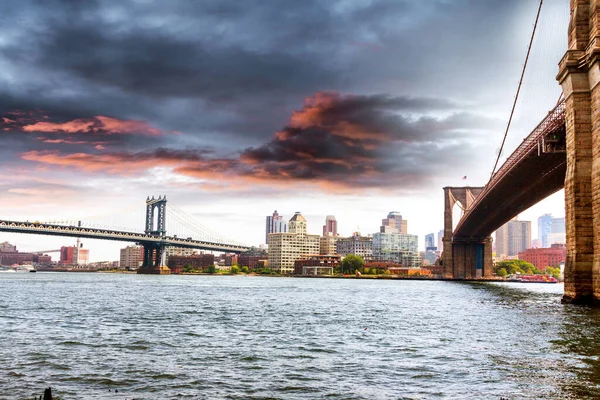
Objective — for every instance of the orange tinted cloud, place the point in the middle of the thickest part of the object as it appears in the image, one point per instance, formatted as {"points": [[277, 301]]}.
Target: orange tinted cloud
{"points": [[95, 124]]}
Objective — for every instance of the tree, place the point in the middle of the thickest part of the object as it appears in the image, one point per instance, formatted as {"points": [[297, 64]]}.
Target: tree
{"points": [[555, 272], [351, 263], [235, 270], [187, 268], [211, 269], [516, 267], [502, 272], [245, 269]]}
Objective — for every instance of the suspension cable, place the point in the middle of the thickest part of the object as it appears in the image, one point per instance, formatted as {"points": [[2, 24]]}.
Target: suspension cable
{"points": [[512, 111]]}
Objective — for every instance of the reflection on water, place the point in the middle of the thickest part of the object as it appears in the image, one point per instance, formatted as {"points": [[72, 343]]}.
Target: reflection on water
{"points": [[88, 335]]}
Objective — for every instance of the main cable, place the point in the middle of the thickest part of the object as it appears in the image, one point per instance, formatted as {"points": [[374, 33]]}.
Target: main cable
{"points": [[512, 111]]}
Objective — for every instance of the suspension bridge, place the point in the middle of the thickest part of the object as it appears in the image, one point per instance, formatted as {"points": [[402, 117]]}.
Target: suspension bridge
{"points": [[563, 151], [153, 237]]}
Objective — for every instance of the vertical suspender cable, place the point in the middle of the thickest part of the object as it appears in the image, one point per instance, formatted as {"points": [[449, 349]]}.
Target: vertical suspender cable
{"points": [[512, 111]]}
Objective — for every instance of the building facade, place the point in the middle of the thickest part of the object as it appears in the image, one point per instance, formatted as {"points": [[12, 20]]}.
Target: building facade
{"points": [[196, 261], [131, 257], [275, 224], [430, 243], [545, 257], [74, 255], [513, 237], [316, 265], [355, 244], [330, 227], [327, 244], [287, 247], [394, 223], [396, 247], [544, 229]]}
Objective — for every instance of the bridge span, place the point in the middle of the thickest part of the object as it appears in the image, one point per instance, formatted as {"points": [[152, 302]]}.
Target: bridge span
{"points": [[154, 239], [563, 151]]}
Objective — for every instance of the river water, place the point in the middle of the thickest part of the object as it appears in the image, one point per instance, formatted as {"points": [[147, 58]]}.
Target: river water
{"points": [[209, 337]]}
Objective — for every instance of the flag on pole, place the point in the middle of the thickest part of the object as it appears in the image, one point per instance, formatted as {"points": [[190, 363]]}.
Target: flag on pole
{"points": [[464, 178]]}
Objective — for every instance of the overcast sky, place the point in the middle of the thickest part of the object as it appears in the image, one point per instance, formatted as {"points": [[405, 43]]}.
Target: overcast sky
{"points": [[236, 108]]}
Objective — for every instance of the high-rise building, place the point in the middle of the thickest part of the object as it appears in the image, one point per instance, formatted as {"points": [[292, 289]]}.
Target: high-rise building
{"points": [[513, 237], [287, 247], [544, 228], [275, 224], [330, 227], [440, 242], [430, 242], [131, 257], [394, 223], [355, 244]]}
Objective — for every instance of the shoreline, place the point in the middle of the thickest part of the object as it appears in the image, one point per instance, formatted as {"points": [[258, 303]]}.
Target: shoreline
{"points": [[367, 277]]}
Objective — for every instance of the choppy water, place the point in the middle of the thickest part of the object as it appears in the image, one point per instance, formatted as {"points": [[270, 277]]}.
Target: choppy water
{"points": [[163, 337]]}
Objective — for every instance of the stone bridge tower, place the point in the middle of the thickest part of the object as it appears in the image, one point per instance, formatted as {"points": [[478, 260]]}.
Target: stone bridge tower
{"points": [[579, 76], [464, 258]]}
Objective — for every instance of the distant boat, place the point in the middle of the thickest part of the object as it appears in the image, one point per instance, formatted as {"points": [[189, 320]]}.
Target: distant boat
{"points": [[24, 268], [7, 270]]}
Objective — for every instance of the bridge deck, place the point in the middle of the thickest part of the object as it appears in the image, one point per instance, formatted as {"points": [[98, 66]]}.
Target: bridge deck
{"points": [[529, 175], [104, 234]]}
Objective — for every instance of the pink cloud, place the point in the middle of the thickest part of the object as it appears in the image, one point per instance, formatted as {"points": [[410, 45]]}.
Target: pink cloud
{"points": [[99, 123]]}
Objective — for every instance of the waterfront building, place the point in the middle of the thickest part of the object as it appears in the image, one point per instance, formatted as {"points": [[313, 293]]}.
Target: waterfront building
{"points": [[74, 255], [394, 223], [513, 237], [397, 247], [287, 247], [316, 264], [197, 261], [330, 227], [131, 257], [545, 257], [275, 224], [355, 244], [250, 261], [9, 255], [178, 251]]}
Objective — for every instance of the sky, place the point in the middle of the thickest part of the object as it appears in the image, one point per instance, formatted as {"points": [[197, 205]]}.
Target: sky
{"points": [[232, 109]]}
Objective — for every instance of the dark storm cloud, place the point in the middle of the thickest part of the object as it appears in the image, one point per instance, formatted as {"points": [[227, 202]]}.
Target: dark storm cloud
{"points": [[231, 68], [334, 141]]}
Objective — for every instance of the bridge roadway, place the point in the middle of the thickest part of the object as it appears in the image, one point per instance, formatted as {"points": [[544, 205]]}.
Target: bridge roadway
{"points": [[93, 233], [535, 170]]}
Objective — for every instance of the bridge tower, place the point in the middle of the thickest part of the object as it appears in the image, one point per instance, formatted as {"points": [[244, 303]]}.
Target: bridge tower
{"points": [[579, 76], [154, 253], [464, 258]]}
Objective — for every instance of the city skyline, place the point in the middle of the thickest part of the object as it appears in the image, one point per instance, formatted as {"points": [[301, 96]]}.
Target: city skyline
{"points": [[84, 132]]}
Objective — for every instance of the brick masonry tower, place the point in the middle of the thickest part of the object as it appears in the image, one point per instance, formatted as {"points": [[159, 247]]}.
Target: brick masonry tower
{"points": [[579, 76]]}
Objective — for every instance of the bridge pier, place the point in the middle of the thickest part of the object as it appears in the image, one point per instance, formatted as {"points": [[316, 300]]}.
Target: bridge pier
{"points": [[154, 260], [464, 258], [468, 259], [579, 76]]}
